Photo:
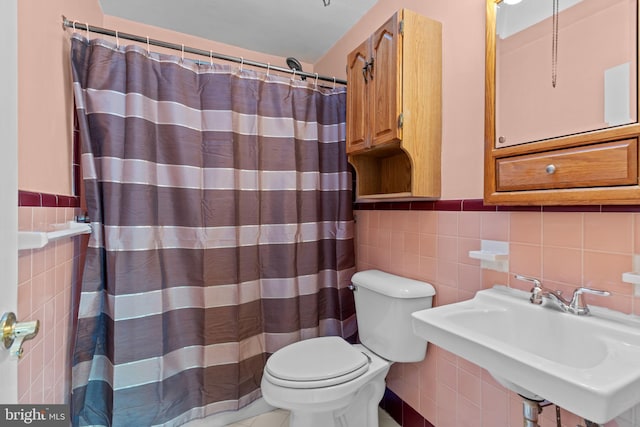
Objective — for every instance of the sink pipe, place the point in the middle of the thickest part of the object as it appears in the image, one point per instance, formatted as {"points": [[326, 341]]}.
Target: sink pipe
{"points": [[531, 410]]}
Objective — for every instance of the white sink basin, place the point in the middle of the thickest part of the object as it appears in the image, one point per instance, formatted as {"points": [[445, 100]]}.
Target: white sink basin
{"points": [[589, 365]]}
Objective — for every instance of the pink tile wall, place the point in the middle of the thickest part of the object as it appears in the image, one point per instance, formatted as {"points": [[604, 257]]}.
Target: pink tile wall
{"points": [[45, 279], [564, 249]]}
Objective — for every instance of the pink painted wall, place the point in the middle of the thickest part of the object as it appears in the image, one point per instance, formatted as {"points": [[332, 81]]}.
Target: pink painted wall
{"points": [[45, 122], [45, 126], [45, 137], [565, 249], [462, 83], [592, 39]]}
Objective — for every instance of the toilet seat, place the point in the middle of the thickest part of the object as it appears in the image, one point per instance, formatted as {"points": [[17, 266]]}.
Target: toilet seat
{"points": [[315, 363]]}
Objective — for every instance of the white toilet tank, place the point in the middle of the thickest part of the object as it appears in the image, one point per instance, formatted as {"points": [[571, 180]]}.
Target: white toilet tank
{"points": [[384, 303]]}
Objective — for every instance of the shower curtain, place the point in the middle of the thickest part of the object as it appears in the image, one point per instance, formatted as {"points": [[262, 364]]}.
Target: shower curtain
{"points": [[220, 203]]}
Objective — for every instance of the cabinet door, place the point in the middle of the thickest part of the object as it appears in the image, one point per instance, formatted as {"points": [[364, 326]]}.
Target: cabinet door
{"points": [[385, 85], [357, 111]]}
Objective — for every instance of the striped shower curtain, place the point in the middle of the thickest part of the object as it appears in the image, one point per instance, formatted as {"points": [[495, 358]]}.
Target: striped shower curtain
{"points": [[222, 230]]}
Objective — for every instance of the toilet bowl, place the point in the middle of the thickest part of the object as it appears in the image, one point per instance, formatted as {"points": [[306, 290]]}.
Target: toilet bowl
{"points": [[338, 400], [326, 381]]}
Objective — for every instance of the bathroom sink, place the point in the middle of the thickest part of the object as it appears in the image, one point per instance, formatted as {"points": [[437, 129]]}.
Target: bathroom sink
{"points": [[589, 365]]}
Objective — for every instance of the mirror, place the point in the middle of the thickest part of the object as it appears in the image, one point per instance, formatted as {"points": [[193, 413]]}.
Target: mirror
{"points": [[563, 67], [575, 143]]}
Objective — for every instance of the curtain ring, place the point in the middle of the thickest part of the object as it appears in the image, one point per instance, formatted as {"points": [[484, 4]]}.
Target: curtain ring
{"points": [[241, 63], [117, 40], [211, 58], [268, 67], [88, 33], [148, 47], [334, 82], [182, 58], [316, 83], [74, 26], [294, 75]]}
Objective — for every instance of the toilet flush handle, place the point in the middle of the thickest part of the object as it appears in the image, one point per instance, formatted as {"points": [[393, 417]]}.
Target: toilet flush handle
{"points": [[352, 287]]}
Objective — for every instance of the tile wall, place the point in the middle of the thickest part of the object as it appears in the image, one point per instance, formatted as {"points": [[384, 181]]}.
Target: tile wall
{"points": [[591, 247], [45, 283]]}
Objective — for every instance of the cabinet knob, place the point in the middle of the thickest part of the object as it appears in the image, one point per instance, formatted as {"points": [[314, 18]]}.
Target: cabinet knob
{"points": [[550, 169]]}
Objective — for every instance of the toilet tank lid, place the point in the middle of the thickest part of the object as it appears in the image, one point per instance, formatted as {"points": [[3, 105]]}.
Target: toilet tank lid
{"points": [[392, 285]]}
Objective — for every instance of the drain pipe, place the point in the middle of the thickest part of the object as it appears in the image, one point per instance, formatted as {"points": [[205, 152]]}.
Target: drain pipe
{"points": [[530, 411]]}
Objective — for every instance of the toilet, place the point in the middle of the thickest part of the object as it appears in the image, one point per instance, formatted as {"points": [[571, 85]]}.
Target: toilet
{"points": [[326, 381]]}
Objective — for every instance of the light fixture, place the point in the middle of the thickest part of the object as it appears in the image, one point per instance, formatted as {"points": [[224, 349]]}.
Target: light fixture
{"points": [[511, 1]]}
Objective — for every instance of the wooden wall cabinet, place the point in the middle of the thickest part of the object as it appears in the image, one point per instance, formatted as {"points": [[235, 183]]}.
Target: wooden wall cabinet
{"points": [[394, 109], [586, 168]]}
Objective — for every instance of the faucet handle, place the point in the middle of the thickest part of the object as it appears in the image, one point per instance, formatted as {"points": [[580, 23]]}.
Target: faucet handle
{"points": [[536, 291], [578, 305], [591, 291], [536, 282]]}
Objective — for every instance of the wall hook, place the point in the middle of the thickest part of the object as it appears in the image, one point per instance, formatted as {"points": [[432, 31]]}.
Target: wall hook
{"points": [[14, 333]]}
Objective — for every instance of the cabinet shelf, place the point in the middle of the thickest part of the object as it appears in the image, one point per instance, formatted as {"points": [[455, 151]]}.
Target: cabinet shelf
{"points": [[385, 196], [382, 176], [394, 110]]}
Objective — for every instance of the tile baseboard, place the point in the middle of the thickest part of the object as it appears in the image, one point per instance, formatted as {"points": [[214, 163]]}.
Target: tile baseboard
{"points": [[469, 205], [401, 412], [33, 199]]}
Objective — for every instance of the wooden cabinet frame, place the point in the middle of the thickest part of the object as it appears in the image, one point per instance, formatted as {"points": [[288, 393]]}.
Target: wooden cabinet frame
{"points": [[394, 117], [599, 194]]}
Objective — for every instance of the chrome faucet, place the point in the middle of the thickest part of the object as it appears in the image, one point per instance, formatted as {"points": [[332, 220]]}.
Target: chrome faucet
{"points": [[575, 306]]}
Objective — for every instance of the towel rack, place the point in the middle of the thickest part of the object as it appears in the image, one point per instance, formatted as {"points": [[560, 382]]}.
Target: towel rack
{"points": [[39, 239]]}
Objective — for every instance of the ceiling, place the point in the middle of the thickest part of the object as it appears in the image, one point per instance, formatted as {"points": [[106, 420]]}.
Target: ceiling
{"points": [[304, 29]]}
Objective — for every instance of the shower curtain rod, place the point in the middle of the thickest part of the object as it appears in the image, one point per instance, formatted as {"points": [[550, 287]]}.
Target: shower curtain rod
{"points": [[66, 23]]}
